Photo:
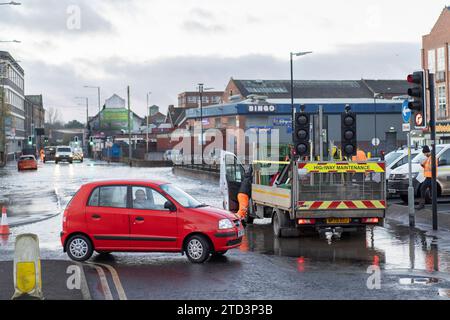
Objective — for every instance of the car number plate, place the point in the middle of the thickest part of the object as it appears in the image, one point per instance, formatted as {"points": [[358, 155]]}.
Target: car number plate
{"points": [[392, 191], [338, 220], [241, 233]]}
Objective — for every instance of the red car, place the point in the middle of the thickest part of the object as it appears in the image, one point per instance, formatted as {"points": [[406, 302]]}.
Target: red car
{"points": [[145, 216], [27, 162]]}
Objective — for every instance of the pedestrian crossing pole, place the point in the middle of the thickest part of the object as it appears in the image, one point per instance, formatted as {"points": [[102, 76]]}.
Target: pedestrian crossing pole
{"points": [[433, 150]]}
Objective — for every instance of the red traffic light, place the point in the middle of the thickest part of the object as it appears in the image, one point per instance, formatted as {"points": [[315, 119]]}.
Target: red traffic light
{"points": [[416, 77]]}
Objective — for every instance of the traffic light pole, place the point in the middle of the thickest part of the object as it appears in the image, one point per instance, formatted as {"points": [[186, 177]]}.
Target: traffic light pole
{"points": [[433, 151]]}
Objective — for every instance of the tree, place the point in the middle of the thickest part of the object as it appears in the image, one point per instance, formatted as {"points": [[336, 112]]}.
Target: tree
{"points": [[74, 124], [53, 120]]}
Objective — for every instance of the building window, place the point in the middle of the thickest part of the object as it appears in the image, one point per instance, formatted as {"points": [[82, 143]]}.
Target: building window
{"points": [[432, 61], [192, 99], [442, 103], [441, 59]]}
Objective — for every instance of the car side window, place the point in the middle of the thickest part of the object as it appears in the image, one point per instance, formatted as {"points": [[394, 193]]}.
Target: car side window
{"points": [[445, 158], [93, 200], [148, 199], [112, 196]]}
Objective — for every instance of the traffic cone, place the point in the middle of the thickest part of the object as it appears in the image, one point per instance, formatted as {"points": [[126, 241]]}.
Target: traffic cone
{"points": [[4, 227]]}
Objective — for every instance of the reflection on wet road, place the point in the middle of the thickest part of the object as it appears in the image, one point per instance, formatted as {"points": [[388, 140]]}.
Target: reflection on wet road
{"points": [[263, 267]]}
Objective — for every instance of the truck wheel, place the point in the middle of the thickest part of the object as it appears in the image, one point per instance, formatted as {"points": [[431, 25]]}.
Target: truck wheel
{"points": [[279, 221]]}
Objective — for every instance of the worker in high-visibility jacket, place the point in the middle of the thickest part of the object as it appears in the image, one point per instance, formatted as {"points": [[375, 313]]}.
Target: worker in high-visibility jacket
{"points": [[244, 193], [360, 156], [428, 174]]}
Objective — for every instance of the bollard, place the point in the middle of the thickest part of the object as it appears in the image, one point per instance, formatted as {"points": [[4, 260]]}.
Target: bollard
{"points": [[27, 268]]}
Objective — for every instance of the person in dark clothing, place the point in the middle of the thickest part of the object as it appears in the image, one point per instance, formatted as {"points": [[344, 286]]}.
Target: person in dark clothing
{"points": [[245, 192]]}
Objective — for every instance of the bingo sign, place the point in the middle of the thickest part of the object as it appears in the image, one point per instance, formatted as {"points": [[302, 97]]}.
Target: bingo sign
{"points": [[261, 109]]}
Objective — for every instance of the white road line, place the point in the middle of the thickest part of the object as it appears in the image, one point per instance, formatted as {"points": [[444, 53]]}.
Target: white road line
{"points": [[116, 280], [103, 281], [84, 286]]}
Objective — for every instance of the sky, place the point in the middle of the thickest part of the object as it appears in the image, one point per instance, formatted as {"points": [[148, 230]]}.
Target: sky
{"points": [[169, 46]]}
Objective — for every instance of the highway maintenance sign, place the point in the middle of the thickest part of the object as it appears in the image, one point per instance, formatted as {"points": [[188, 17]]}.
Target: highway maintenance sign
{"points": [[342, 167]]}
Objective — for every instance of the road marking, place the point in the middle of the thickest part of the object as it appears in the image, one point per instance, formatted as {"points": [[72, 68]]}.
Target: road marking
{"points": [[116, 280], [103, 281], [84, 286]]}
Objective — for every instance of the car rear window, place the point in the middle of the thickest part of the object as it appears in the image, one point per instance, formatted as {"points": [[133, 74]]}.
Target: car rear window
{"points": [[27, 158]]}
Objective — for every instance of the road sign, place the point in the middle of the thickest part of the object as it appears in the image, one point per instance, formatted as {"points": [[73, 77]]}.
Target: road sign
{"points": [[406, 127], [406, 112], [376, 142], [419, 120]]}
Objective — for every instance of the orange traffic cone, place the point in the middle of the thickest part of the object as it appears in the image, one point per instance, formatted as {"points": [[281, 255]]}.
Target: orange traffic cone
{"points": [[4, 227]]}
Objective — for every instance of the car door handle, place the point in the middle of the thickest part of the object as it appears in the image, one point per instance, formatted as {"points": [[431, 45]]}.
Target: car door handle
{"points": [[139, 219], [96, 216]]}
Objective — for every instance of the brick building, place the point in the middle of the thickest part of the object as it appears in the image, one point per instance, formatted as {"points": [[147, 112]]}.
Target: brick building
{"points": [[436, 58], [191, 99]]}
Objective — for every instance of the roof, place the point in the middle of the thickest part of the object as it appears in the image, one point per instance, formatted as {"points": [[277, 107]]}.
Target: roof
{"points": [[175, 114], [304, 88], [127, 181], [397, 87]]}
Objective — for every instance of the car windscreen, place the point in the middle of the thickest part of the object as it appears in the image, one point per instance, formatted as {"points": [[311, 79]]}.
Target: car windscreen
{"points": [[391, 157], [181, 196], [421, 157], [64, 150]]}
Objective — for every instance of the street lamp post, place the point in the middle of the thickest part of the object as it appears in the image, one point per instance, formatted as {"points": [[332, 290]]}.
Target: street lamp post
{"points": [[99, 106], [296, 54], [202, 89], [87, 121], [148, 115]]}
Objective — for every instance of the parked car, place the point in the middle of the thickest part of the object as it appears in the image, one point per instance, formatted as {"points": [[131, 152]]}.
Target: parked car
{"points": [[399, 178], [49, 154], [27, 162], [145, 216], [63, 153], [397, 158]]}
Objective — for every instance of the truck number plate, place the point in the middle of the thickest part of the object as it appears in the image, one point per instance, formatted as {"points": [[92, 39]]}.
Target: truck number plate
{"points": [[338, 220]]}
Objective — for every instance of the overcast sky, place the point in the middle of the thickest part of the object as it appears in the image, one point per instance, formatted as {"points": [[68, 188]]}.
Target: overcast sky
{"points": [[168, 46]]}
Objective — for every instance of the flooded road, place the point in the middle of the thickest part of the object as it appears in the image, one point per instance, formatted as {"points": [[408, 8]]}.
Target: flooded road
{"points": [[411, 263]]}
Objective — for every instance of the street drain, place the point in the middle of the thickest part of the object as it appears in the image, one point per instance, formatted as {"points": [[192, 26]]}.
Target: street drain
{"points": [[422, 281], [444, 293]]}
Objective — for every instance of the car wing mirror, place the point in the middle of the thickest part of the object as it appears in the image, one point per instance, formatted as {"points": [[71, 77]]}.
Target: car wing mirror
{"points": [[170, 206]]}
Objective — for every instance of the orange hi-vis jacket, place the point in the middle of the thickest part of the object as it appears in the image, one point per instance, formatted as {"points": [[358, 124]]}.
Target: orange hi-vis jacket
{"points": [[427, 170], [360, 156]]}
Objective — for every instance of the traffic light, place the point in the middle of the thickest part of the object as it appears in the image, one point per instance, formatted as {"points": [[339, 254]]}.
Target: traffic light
{"points": [[30, 140], [418, 92], [45, 139], [301, 134], [348, 131], [75, 139], [91, 141]]}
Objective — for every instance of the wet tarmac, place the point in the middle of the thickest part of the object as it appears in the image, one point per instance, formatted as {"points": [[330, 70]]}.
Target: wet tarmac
{"points": [[412, 264]]}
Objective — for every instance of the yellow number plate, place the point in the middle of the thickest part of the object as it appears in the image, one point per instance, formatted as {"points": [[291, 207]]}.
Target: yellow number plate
{"points": [[338, 220]]}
